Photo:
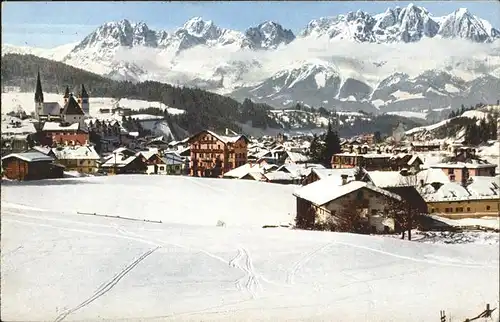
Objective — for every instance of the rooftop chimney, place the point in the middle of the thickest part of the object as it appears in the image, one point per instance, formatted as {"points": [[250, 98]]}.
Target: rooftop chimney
{"points": [[344, 178]]}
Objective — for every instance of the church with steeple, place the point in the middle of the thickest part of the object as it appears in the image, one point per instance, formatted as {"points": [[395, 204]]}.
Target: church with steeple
{"points": [[74, 109]]}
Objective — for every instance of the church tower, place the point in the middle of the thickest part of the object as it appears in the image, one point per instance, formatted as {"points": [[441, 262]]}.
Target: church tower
{"points": [[66, 95], [83, 100], [38, 97]]}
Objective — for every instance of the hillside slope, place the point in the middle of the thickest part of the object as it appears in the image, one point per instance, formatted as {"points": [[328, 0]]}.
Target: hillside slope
{"points": [[59, 265]]}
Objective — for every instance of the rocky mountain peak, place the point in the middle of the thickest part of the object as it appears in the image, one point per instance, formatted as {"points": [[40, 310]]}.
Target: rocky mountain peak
{"points": [[269, 34], [461, 23], [198, 27], [396, 24]]}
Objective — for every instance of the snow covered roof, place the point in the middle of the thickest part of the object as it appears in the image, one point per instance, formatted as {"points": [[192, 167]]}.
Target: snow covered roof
{"points": [[223, 138], [299, 170], [431, 175], [76, 153], [278, 175], [385, 179], [57, 126], [15, 126], [324, 173], [172, 158], [148, 154], [119, 160], [484, 186], [124, 149], [43, 149], [241, 171], [255, 175], [33, 156], [468, 165], [297, 157], [366, 155], [449, 191], [327, 190]]}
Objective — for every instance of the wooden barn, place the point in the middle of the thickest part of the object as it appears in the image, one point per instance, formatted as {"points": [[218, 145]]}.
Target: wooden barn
{"points": [[32, 165]]}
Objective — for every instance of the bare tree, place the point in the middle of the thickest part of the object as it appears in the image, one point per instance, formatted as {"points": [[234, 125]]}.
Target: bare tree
{"points": [[351, 218], [405, 216], [404, 212]]}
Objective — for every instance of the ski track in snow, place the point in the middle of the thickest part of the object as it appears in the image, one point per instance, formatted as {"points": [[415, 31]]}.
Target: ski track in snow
{"points": [[243, 261], [107, 286], [304, 260]]}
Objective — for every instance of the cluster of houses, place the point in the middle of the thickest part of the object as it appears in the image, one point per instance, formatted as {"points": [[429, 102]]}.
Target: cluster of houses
{"points": [[374, 175]]}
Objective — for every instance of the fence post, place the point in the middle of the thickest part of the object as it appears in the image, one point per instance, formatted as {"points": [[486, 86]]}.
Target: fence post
{"points": [[488, 311], [443, 316]]}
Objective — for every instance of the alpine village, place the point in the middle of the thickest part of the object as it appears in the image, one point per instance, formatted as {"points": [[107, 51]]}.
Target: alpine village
{"points": [[366, 184]]}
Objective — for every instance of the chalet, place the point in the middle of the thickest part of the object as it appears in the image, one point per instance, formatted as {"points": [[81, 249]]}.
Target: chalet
{"points": [[31, 166], [125, 163], [324, 201], [212, 154], [375, 161], [175, 163], [55, 133], [155, 164], [299, 171], [83, 159], [369, 161]]}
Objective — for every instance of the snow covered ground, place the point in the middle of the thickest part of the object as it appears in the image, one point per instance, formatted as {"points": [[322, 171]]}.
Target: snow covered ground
{"points": [[419, 115], [58, 265]]}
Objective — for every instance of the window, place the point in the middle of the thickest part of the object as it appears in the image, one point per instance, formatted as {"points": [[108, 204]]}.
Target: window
{"points": [[488, 207], [433, 210], [468, 209]]}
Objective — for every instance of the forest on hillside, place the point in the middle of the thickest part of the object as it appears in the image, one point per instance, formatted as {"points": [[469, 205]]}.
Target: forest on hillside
{"points": [[203, 109]]}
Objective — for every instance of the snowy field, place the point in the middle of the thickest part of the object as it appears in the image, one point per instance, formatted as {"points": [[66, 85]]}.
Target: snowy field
{"points": [[58, 265]]}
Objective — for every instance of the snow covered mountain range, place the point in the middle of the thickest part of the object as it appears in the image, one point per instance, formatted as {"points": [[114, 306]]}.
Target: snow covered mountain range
{"points": [[401, 59]]}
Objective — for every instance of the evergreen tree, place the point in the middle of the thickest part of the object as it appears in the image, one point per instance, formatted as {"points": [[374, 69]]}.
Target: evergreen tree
{"points": [[332, 146], [377, 137], [316, 150]]}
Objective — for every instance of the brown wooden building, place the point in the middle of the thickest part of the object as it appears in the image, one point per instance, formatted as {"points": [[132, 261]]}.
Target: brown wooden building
{"points": [[212, 154], [31, 166]]}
